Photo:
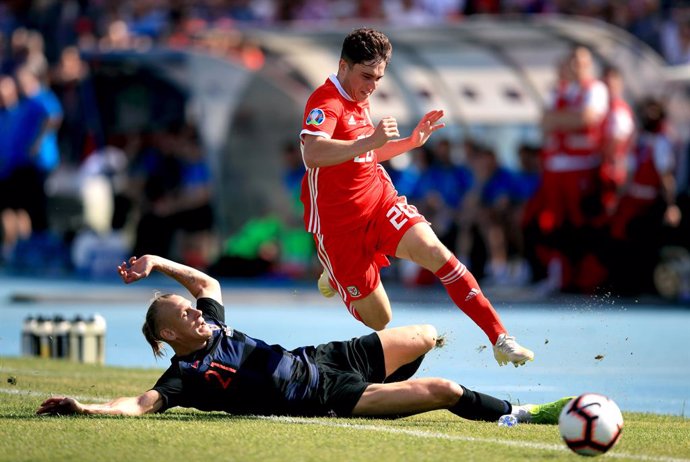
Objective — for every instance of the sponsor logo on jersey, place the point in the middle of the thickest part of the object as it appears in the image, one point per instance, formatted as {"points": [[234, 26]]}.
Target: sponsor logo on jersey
{"points": [[316, 117], [354, 291], [352, 120]]}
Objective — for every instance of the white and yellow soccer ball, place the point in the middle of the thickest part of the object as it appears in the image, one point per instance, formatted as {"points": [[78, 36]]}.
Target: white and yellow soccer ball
{"points": [[590, 424]]}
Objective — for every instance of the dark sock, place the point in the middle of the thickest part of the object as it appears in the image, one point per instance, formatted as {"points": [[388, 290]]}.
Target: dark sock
{"points": [[404, 372], [473, 405]]}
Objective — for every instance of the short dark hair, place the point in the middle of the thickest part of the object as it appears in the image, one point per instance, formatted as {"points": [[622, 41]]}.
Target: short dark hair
{"points": [[366, 46]]}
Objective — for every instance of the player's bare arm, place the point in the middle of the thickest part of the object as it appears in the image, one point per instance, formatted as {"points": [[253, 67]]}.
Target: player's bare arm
{"points": [[197, 283], [564, 119], [420, 135], [151, 401], [324, 152], [672, 215]]}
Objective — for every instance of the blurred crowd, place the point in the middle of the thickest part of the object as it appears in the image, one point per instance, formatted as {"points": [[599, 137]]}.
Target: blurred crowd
{"points": [[596, 199], [590, 208], [113, 24]]}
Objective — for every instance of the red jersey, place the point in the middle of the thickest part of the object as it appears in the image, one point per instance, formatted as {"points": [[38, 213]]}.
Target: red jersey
{"points": [[587, 140], [619, 126], [341, 197], [580, 149], [554, 139]]}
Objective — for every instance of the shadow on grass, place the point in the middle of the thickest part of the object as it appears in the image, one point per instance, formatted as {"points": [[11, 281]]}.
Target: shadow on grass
{"points": [[176, 417], [193, 416]]}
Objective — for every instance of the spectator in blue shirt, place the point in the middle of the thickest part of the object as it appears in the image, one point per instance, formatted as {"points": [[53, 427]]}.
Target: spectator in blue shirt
{"points": [[490, 211], [440, 190], [22, 198], [48, 155]]}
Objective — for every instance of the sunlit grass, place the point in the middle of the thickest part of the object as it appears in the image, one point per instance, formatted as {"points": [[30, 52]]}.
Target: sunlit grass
{"points": [[187, 435]]}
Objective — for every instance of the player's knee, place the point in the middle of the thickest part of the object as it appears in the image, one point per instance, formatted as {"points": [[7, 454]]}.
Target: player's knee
{"points": [[445, 392], [428, 335], [431, 254], [377, 320], [377, 324]]}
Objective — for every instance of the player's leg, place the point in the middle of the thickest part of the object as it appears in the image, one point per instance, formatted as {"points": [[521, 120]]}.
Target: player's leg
{"points": [[374, 310], [420, 244], [409, 397], [427, 394], [352, 269], [403, 346]]}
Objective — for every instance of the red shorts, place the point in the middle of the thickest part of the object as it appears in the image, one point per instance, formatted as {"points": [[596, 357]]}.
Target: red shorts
{"points": [[564, 195], [354, 258]]}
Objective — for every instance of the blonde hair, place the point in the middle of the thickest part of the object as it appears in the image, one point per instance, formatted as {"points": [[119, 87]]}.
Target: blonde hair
{"points": [[151, 327]]}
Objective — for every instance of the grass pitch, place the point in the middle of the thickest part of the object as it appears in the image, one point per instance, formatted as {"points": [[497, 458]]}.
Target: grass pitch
{"points": [[189, 436]]}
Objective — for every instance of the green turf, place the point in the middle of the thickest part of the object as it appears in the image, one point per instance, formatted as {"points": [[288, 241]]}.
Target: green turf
{"points": [[189, 436]]}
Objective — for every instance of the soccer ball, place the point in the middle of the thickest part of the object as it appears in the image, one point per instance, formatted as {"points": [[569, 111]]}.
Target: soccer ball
{"points": [[590, 424]]}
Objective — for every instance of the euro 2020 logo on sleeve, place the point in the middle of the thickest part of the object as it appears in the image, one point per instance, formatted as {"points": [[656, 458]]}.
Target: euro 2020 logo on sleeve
{"points": [[316, 117]]}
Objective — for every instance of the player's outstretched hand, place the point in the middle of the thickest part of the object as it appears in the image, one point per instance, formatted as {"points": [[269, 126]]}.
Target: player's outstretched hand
{"points": [[60, 405], [136, 268], [428, 125]]}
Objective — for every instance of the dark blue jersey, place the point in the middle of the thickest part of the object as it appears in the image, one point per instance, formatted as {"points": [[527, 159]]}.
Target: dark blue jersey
{"points": [[242, 375]]}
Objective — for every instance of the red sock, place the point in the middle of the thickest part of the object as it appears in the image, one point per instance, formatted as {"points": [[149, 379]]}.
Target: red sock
{"points": [[466, 294]]}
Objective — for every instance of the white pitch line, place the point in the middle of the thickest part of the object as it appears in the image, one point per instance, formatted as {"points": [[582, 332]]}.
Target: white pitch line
{"points": [[392, 430], [436, 435]]}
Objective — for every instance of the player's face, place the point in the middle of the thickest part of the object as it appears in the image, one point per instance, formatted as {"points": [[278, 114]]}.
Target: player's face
{"points": [[186, 321], [581, 63], [360, 80], [614, 84]]}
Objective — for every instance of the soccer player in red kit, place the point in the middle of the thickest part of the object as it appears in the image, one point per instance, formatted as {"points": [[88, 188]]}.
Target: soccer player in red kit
{"points": [[353, 209], [576, 158]]}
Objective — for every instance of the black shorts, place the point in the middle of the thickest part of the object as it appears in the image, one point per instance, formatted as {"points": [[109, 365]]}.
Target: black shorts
{"points": [[346, 369], [23, 190]]}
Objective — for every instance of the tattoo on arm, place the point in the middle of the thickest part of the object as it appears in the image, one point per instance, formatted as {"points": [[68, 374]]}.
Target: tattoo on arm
{"points": [[187, 277], [192, 279]]}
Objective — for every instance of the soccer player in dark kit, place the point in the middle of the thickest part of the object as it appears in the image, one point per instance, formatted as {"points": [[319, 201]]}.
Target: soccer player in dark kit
{"points": [[218, 368]]}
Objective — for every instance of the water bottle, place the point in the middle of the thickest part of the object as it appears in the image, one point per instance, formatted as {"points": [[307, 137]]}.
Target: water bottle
{"points": [[76, 339], [44, 331], [507, 420], [61, 328], [99, 327], [29, 337]]}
